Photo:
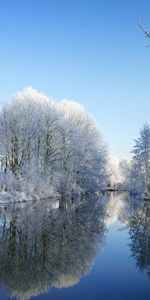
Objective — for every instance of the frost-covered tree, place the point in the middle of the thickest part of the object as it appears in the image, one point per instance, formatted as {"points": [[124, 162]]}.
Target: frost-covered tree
{"points": [[138, 174], [86, 145], [50, 146]]}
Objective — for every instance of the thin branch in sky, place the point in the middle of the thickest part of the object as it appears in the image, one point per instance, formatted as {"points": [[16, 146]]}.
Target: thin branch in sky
{"points": [[147, 34]]}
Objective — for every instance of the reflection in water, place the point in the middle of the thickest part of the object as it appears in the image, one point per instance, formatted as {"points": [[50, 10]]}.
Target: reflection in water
{"points": [[134, 213], [46, 245], [43, 247], [139, 230], [115, 205]]}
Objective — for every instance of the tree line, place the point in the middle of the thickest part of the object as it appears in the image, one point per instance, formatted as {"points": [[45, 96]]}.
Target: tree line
{"points": [[50, 146]]}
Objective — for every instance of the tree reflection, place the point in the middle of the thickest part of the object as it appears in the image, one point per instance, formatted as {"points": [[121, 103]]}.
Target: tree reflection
{"points": [[43, 247], [139, 231]]}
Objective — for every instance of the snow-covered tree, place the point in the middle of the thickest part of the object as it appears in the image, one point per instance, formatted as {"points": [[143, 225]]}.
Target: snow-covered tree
{"points": [[138, 175], [48, 145]]}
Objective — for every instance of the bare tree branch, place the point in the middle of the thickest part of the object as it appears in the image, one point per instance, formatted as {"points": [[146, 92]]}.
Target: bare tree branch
{"points": [[147, 34]]}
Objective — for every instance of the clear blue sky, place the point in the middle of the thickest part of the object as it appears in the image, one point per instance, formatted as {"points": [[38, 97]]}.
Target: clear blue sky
{"points": [[91, 51]]}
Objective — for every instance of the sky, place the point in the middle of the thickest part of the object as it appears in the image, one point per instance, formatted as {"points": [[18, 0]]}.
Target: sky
{"points": [[90, 51]]}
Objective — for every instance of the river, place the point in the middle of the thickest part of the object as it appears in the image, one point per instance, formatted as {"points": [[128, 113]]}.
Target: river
{"points": [[93, 249]]}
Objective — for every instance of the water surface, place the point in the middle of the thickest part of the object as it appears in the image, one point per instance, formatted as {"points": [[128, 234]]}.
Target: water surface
{"points": [[89, 249]]}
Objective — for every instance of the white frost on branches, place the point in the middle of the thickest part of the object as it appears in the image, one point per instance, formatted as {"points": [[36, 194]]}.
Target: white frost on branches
{"points": [[138, 171], [49, 146]]}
